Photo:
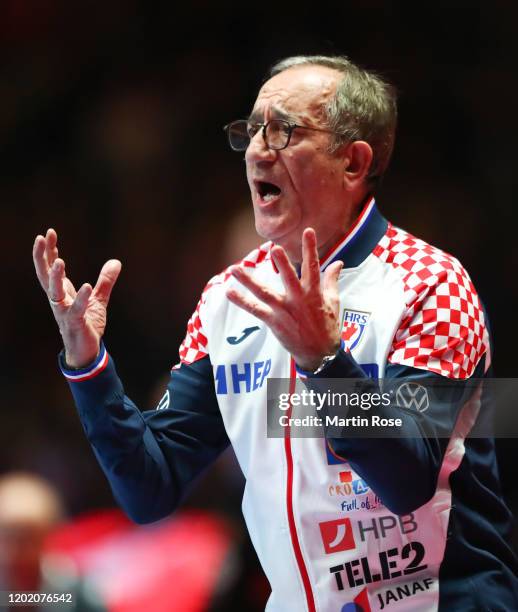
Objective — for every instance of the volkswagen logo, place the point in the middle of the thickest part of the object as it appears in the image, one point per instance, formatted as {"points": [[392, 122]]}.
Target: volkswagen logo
{"points": [[413, 395]]}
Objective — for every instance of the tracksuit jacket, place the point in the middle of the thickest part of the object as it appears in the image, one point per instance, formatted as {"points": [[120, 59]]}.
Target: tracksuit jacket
{"points": [[413, 521]]}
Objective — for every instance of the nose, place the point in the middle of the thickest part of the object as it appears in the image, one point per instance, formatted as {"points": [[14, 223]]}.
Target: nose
{"points": [[258, 151]]}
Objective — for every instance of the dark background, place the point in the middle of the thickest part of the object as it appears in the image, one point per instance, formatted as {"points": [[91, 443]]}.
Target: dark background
{"points": [[110, 132]]}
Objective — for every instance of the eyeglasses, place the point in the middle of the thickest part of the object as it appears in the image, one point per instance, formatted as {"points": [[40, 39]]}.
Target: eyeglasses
{"points": [[276, 133]]}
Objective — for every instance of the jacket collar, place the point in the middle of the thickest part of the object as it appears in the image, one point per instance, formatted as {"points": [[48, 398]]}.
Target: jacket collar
{"points": [[359, 242]]}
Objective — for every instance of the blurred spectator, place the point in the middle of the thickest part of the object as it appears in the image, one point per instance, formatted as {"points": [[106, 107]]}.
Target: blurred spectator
{"points": [[194, 562], [29, 509], [186, 563]]}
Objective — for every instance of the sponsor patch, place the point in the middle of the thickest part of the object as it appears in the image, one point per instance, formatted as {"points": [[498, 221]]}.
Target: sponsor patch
{"points": [[337, 535], [401, 591], [390, 564]]}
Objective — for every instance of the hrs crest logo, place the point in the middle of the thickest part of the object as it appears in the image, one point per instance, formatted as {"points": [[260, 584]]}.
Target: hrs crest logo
{"points": [[353, 327]]}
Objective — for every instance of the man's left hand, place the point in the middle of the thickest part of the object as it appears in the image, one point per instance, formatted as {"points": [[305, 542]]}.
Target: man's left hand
{"points": [[305, 318]]}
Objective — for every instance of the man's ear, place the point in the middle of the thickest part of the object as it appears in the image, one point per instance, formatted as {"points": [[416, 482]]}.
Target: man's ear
{"points": [[357, 163]]}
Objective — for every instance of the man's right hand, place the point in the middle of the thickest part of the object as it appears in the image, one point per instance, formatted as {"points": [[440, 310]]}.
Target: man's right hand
{"points": [[80, 315]]}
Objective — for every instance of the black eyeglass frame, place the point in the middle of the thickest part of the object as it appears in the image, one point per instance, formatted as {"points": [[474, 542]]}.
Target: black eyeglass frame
{"points": [[263, 127]]}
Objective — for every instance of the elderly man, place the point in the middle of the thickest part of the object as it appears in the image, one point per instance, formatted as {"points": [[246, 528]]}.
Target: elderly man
{"points": [[408, 522]]}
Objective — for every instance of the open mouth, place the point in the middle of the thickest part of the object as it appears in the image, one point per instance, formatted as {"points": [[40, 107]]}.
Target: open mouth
{"points": [[267, 191]]}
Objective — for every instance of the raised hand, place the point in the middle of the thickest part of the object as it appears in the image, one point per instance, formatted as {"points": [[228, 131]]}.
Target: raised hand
{"points": [[80, 315], [305, 319]]}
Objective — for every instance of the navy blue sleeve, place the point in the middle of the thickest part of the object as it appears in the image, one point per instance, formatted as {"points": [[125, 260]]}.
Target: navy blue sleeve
{"points": [[403, 471], [151, 457]]}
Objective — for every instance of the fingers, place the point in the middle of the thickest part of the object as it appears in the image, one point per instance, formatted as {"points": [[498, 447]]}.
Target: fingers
{"points": [[310, 276], [56, 288], [256, 309], [261, 292], [330, 285], [51, 249], [50, 270], [287, 271], [40, 262], [44, 254], [330, 279], [80, 304], [315, 310], [107, 279]]}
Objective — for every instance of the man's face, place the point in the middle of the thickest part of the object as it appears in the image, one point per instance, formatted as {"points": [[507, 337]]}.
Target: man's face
{"points": [[308, 180]]}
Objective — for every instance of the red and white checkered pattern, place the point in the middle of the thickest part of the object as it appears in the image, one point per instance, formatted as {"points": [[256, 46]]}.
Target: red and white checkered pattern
{"points": [[194, 346], [443, 328]]}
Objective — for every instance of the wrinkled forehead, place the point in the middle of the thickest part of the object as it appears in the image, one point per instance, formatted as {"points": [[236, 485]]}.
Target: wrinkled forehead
{"points": [[301, 91]]}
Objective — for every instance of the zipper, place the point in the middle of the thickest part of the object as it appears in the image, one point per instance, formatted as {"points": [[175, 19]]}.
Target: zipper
{"points": [[289, 501]]}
